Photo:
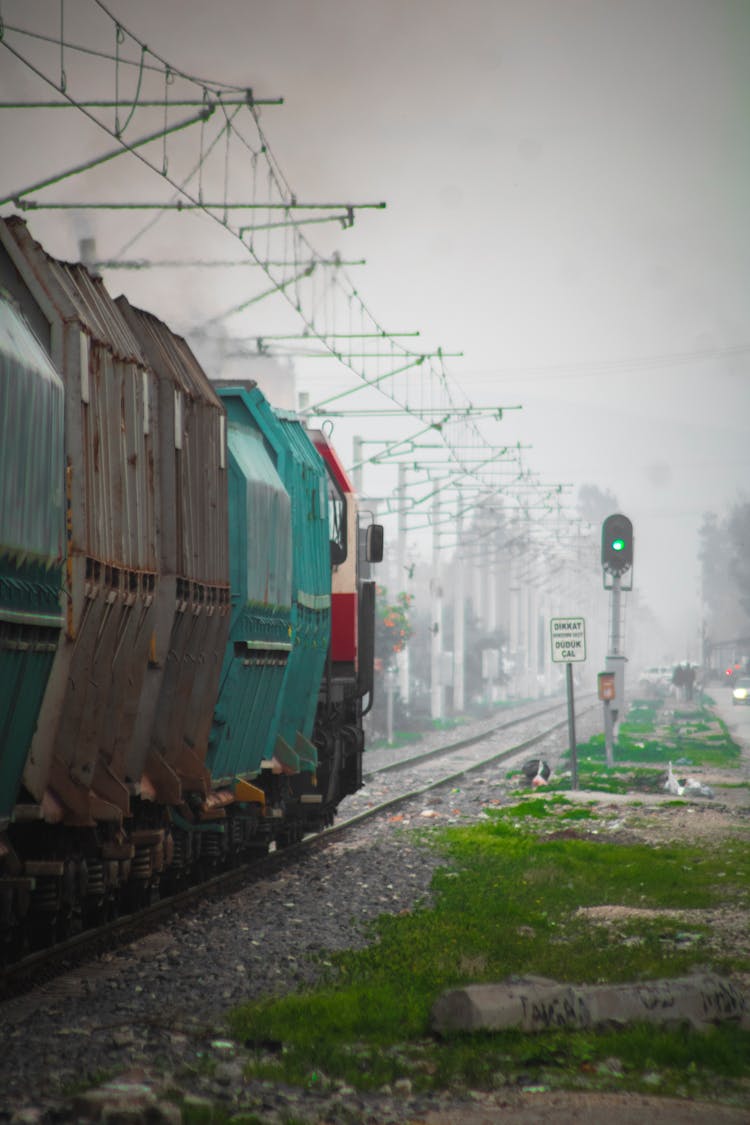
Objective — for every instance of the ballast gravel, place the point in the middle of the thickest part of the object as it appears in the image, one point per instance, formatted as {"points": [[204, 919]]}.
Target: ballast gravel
{"points": [[151, 1014]]}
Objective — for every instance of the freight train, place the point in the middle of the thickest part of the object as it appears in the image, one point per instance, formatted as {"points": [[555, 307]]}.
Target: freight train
{"points": [[186, 609]]}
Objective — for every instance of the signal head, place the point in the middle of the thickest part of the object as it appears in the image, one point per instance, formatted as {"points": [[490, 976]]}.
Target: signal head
{"points": [[617, 544]]}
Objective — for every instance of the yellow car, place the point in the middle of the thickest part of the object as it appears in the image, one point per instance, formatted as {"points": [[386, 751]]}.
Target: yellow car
{"points": [[741, 690]]}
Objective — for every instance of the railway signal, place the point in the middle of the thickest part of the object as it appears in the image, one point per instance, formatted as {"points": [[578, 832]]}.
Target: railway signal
{"points": [[617, 559], [617, 544]]}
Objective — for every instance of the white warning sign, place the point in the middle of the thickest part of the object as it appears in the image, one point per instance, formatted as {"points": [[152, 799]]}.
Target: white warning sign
{"points": [[568, 639]]}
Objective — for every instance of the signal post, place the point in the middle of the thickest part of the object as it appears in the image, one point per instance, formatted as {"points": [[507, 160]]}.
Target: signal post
{"points": [[617, 560]]}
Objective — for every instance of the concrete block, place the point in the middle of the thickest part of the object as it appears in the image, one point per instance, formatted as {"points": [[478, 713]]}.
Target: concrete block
{"points": [[537, 1004]]}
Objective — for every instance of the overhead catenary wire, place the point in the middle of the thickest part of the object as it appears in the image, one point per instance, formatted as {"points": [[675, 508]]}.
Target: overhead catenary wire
{"points": [[593, 368], [428, 389]]}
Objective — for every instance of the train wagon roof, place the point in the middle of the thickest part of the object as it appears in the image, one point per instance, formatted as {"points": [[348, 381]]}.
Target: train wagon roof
{"points": [[73, 293], [169, 353], [302, 472]]}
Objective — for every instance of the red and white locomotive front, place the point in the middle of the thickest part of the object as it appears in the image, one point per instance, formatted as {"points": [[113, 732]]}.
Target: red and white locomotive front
{"points": [[343, 520]]}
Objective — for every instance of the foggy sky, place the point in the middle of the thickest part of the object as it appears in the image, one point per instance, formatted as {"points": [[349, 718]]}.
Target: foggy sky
{"points": [[567, 186]]}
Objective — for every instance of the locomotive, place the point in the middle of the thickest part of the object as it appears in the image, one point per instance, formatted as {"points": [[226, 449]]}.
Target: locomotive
{"points": [[186, 609]]}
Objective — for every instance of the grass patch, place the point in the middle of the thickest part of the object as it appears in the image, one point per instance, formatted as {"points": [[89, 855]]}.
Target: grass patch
{"points": [[542, 808], [717, 750], [594, 775], [400, 738], [505, 904], [693, 736], [449, 723], [648, 739]]}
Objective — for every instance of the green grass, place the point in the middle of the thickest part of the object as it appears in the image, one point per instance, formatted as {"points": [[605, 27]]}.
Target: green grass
{"points": [[648, 739], [696, 735], [595, 776], [449, 723], [400, 738], [504, 904]]}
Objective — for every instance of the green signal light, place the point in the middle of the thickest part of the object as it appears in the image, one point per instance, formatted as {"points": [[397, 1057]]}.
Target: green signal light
{"points": [[617, 544]]}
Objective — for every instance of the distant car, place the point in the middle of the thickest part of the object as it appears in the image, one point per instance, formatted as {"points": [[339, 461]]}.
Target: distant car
{"points": [[658, 677], [741, 690]]}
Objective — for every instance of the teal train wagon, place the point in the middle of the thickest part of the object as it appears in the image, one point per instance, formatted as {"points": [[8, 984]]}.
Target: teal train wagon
{"points": [[281, 591], [260, 637], [32, 531]]}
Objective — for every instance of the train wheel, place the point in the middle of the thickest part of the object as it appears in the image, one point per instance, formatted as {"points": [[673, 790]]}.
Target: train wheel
{"points": [[93, 912], [65, 917], [44, 913], [13, 938], [291, 835], [136, 896]]}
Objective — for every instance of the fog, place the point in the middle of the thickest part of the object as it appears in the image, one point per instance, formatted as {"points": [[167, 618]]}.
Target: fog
{"points": [[566, 185]]}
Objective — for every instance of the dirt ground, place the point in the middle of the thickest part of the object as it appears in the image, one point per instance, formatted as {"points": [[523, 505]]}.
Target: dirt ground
{"points": [[658, 820], [655, 819], [591, 1109]]}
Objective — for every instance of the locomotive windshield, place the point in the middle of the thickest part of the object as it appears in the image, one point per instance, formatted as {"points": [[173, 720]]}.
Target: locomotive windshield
{"points": [[336, 521]]}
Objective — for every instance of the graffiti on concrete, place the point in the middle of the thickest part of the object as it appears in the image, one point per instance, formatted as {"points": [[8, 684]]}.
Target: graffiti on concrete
{"points": [[566, 1008], [536, 1004]]}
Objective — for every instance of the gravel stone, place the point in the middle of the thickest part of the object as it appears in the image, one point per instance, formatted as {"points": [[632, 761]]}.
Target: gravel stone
{"points": [[157, 1006]]}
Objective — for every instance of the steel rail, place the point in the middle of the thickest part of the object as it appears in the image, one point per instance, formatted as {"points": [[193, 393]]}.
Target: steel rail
{"points": [[45, 964], [493, 759], [439, 751]]}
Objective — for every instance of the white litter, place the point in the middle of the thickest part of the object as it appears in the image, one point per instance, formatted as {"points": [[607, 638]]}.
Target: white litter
{"points": [[686, 786], [694, 788], [672, 785]]}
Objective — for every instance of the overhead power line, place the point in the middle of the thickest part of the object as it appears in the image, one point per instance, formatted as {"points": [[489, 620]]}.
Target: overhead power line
{"points": [[143, 103], [216, 263], [593, 368], [231, 146]]}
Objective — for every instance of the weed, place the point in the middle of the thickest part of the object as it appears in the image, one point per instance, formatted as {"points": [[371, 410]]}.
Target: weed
{"points": [[400, 738], [649, 735], [505, 903]]}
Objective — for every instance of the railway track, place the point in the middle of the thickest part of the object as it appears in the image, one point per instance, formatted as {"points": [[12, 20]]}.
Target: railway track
{"points": [[389, 784], [422, 773]]}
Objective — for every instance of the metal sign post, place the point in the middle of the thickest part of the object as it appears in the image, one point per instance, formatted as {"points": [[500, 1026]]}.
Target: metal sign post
{"points": [[569, 647]]}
